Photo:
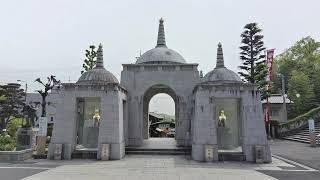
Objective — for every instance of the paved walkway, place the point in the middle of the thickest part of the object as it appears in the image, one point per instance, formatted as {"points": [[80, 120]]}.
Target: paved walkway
{"points": [[298, 152], [142, 167]]}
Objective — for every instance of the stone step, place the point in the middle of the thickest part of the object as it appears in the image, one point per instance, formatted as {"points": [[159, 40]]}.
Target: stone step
{"points": [[231, 156], [37, 156], [84, 155], [153, 152], [307, 131], [298, 136], [158, 151], [303, 135], [302, 140], [297, 140]]}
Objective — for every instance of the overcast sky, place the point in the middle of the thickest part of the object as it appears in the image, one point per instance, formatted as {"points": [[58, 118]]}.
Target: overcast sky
{"points": [[39, 38]]}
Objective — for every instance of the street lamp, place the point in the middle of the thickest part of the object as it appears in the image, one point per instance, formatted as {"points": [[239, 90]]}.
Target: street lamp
{"points": [[26, 89]]}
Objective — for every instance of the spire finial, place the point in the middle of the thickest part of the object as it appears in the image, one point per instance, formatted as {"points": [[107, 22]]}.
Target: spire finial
{"points": [[220, 61], [161, 36], [99, 63]]}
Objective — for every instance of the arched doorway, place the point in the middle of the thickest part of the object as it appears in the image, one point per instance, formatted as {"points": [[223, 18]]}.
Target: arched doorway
{"points": [[161, 116], [148, 95]]}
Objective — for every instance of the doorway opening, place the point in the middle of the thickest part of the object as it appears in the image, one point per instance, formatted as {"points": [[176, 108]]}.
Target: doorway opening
{"points": [[229, 130], [88, 122], [161, 116]]}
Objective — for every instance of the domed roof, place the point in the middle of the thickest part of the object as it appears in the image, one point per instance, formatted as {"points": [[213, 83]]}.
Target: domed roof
{"points": [[161, 54], [95, 76], [98, 75], [220, 72]]}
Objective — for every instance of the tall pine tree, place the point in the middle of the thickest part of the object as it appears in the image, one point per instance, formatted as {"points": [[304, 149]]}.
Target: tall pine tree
{"points": [[253, 68], [90, 61]]}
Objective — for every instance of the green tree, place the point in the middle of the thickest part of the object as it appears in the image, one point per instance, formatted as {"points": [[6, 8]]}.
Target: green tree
{"points": [[276, 85], [300, 92], [316, 86], [253, 68], [11, 103], [303, 56], [90, 61]]}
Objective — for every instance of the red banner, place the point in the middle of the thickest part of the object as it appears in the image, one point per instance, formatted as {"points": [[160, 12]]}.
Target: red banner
{"points": [[270, 54], [267, 113]]}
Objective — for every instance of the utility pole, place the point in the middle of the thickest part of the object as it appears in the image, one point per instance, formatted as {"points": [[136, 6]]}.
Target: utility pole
{"points": [[284, 98]]}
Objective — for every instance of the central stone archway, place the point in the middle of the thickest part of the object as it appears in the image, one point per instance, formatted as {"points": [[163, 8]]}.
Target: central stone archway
{"points": [[150, 92], [142, 81]]}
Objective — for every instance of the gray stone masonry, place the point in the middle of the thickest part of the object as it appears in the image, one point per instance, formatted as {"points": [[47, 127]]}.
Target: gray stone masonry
{"points": [[142, 81], [111, 126], [251, 117]]}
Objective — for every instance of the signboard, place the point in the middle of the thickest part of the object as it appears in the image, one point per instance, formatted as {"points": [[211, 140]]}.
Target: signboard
{"points": [[43, 124], [312, 133], [311, 125]]}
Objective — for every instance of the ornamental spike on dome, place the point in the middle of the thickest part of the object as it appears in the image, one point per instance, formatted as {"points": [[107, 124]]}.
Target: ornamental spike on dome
{"points": [[99, 63], [220, 61], [161, 42]]}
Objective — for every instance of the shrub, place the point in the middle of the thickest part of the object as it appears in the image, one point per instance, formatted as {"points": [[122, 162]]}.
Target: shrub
{"points": [[6, 143], [13, 126]]}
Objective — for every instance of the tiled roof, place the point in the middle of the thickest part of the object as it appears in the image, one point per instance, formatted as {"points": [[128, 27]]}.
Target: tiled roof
{"points": [[277, 99]]}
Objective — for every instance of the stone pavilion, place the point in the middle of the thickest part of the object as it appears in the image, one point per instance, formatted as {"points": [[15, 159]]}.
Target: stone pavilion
{"points": [[215, 115]]}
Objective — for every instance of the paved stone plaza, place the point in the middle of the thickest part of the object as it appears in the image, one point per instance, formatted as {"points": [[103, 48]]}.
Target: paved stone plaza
{"points": [[140, 167], [300, 166]]}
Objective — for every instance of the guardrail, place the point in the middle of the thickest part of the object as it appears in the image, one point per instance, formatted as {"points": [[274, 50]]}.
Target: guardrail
{"points": [[299, 122]]}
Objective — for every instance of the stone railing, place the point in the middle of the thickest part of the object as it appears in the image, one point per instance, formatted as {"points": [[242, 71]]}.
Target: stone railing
{"points": [[16, 155], [299, 122]]}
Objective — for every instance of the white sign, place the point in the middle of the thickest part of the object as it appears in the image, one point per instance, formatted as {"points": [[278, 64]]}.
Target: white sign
{"points": [[311, 125], [43, 124]]}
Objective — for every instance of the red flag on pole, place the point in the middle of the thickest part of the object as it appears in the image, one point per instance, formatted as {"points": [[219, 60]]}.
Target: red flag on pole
{"points": [[269, 61], [270, 54]]}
